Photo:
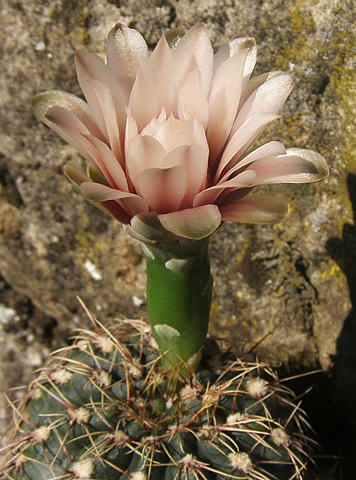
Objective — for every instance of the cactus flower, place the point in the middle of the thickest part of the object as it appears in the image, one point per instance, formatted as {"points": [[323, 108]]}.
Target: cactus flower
{"points": [[168, 137]]}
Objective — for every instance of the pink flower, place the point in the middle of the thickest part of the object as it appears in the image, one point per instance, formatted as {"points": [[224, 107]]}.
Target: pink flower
{"points": [[168, 136]]}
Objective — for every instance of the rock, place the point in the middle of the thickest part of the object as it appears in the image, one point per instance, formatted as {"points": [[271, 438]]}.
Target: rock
{"points": [[281, 291]]}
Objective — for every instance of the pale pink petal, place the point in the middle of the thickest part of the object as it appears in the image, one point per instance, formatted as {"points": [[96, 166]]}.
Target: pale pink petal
{"points": [[267, 150], [163, 130], [142, 153], [193, 132], [162, 70], [144, 102], [315, 158], [125, 48], [98, 193], [44, 101], [108, 163], [253, 83], [209, 195], [106, 103], [192, 223], [192, 101], [173, 133], [195, 50], [163, 188], [113, 208], [130, 129], [234, 47], [69, 127], [90, 67], [242, 139], [194, 159], [296, 166], [255, 209], [267, 98], [224, 100], [233, 196]]}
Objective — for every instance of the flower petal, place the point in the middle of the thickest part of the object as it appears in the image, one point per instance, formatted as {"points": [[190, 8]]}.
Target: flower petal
{"points": [[96, 175], [172, 133], [194, 160], [125, 48], [144, 102], [195, 50], [115, 210], [142, 153], [44, 101], [75, 174], [253, 83], [69, 127], [68, 116], [98, 193], [296, 166], [192, 223], [148, 226], [242, 139], [111, 123], [162, 70], [267, 150], [267, 98], [192, 101], [209, 195], [255, 209], [174, 36], [224, 100], [315, 158], [108, 163], [163, 188], [90, 67], [233, 47]]}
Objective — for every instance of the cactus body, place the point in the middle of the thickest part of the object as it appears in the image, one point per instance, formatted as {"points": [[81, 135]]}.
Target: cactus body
{"points": [[104, 409]]}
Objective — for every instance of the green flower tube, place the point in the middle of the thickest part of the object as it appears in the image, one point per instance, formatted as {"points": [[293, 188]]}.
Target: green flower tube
{"points": [[179, 290]]}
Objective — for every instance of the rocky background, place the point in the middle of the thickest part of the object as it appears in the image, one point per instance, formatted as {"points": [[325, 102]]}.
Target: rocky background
{"points": [[285, 292]]}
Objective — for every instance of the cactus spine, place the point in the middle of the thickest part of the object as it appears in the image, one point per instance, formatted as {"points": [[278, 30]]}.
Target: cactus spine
{"points": [[104, 409]]}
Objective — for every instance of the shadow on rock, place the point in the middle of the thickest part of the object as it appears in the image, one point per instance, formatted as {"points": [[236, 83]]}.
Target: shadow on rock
{"points": [[343, 374], [331, 404]]}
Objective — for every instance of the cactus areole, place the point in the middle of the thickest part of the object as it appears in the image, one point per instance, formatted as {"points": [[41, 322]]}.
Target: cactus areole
{"points": [[168, 140]]}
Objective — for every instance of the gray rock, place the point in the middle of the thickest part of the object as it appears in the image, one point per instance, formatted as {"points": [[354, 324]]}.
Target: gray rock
{"points": [[281, 291]]}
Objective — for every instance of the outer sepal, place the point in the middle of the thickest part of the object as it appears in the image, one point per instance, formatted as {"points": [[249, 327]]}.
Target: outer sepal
{"points": [[192, 223]]}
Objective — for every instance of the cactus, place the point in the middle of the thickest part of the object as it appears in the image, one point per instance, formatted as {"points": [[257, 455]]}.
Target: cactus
{"points": [[104, 409], [133, 402]]}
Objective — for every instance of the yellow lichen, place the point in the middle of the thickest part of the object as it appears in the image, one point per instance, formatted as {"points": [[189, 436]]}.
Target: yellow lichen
{"points": [[333, 269], [299, 47]]}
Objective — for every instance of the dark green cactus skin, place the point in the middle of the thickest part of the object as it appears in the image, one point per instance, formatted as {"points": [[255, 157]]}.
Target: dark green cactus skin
{"points": [[103, 409]]}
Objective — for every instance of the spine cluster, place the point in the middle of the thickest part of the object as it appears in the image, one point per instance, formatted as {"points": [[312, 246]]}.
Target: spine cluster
{"points": [[104, 409]]}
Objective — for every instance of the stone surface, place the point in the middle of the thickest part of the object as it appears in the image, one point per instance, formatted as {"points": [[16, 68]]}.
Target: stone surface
{"points": [[282, 291]]}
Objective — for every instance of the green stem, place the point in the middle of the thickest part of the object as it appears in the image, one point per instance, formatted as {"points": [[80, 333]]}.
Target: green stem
{"points": [[179, 289]]}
